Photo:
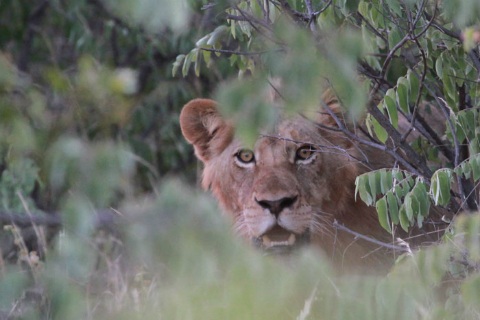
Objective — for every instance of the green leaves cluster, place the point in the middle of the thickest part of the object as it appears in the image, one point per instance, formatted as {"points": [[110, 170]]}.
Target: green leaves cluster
{"points": [[397, 101], [404, 199], [401, 199], [209, 41], [465, 125]]}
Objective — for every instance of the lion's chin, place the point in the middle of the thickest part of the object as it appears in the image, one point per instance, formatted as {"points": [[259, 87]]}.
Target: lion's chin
{"points": [[280, 241]]}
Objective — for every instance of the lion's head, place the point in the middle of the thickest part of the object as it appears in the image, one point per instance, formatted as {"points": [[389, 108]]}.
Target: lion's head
{"points": [[293, 185]]}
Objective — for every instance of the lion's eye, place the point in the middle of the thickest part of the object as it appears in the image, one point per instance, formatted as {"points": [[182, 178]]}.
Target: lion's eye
{"points": [[245, 156], [304, 152]]}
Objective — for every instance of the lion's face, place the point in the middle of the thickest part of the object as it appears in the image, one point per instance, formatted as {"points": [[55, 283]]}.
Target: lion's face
{"points": [[288, 189]]}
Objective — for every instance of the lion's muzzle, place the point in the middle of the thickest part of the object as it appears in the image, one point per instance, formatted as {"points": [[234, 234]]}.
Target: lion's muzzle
{"points": [[278, 240]]}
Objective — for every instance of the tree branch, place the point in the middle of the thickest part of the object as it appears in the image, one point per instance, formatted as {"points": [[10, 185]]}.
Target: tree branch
{"points": [[396, 137], [341, 227], [240, 53], [395, 155]]}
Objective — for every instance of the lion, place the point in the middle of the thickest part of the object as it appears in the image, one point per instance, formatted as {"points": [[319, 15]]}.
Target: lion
{"points": [[295, 186]]}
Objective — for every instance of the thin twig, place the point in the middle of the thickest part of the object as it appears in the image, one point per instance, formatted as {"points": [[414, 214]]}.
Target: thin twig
{"points": [[341, 227], [240, 53], [393, 154]]}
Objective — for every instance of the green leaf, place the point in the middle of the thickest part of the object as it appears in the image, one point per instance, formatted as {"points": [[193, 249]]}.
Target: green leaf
{"points": [[422, 197], [380, 132], [397, 175], [475, 165], [385, 180], [394, 37], [440, 187], [177, 64], [187, 62], [409, 206], [449, 87], [206, 57], [363, 189], [389, 104], [202, 42], [217, 35], [414, 85], [439, 67], [402, 97], [464, 169], [198, 59], [395, 7], [474, 145], [381, 207], [373, 183], [404, 222], [233, 28], [405, 186]]}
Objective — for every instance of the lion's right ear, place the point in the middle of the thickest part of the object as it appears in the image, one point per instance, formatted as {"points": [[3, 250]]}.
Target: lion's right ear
{"points": [[203, 126]]}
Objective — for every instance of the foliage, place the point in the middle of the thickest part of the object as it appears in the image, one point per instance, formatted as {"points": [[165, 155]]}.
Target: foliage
{"points": [[89, 135], [418, 65]]}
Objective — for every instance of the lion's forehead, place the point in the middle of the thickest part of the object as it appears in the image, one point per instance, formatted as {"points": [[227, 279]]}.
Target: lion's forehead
{"points": [[287, 137]]}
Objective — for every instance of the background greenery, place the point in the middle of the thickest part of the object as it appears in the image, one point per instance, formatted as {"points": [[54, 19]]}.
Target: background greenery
{"points": [[98, 210]]}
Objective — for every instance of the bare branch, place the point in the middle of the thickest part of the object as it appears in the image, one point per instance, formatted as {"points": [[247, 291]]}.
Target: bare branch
{"points": [[240, 53], [341, 227], [395, 155], [414, 157], [295, 15]]}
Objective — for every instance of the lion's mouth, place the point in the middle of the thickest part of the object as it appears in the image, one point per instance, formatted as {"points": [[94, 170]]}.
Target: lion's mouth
{"points": [[279, 240]]}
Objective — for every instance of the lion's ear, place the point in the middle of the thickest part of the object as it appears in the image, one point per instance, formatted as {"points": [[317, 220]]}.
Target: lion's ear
{"points": [[203, 126], [331, 114], [331, 101]]}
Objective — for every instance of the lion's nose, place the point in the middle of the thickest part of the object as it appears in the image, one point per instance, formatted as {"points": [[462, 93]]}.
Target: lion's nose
{"points": [[277, 206]]}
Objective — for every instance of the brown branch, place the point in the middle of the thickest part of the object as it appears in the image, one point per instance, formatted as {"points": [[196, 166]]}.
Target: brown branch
{"points": [[396, 137], [235, 17], [392, 153], [295, 15], [256, 24], [465, 185]]}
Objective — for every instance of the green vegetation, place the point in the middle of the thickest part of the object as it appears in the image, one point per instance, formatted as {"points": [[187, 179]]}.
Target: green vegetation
{"points": [[98, 214]]}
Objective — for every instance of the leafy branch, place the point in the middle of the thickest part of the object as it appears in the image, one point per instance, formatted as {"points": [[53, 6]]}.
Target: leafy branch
{"points": [[422, 77]]}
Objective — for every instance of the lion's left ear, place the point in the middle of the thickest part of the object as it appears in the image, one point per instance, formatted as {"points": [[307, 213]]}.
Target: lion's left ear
{"points": [[331, 114], [331, 101], [203, 126]]}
